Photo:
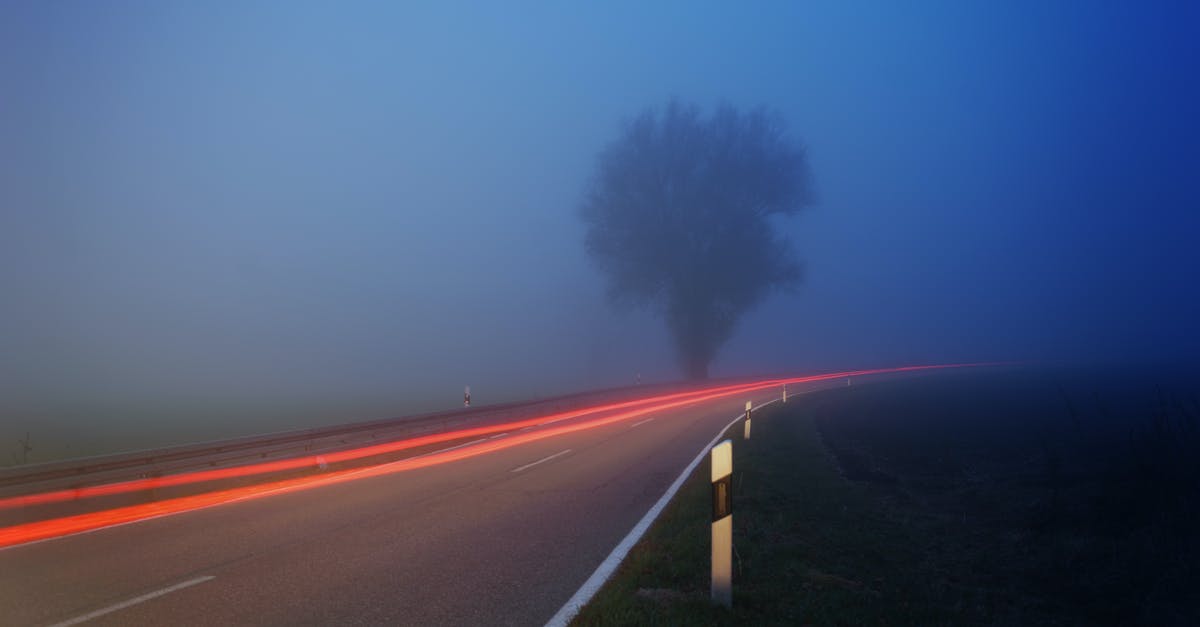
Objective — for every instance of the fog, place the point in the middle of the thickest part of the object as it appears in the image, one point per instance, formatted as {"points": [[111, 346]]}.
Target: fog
{"points": [[269, 215]]}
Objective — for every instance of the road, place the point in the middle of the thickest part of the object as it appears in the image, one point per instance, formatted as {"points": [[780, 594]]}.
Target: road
{"points": [[501, 530], [503, 538]]}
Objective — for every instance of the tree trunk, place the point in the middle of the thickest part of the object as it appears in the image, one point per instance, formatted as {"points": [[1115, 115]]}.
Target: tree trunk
{"points": [[689, 324]]}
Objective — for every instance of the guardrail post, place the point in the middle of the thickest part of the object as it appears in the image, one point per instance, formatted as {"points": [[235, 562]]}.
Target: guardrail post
{"points": [[25, 449], [722, 523]]}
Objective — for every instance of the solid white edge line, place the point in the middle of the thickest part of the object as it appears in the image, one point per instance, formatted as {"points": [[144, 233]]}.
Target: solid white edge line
{"points": [[610, 563], [134, 601], [542, 460]]}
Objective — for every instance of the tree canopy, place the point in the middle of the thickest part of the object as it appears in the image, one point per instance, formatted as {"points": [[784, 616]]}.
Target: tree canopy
{"points": [[677, 216]]}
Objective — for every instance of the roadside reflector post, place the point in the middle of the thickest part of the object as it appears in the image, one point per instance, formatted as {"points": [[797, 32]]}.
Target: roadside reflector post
{"points": [[467, 396], [746, 429], [722, 523], [785, 392]]}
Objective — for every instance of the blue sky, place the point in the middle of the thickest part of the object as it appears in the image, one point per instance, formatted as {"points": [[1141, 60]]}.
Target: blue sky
{"points": [[341, 210]]}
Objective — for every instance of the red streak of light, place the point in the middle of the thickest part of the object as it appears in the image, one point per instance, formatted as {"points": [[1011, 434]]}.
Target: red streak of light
{"points": [[41, 530], [312, 461]]}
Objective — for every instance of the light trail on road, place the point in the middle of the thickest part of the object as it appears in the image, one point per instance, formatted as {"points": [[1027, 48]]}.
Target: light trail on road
{"points": [[69, 525], [315, 461]]}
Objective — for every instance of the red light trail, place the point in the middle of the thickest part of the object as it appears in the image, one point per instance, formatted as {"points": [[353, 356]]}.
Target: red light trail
{"points": [[313, 461], [46, 529]]}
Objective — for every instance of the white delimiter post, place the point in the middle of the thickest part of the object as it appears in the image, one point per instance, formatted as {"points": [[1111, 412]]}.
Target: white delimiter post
{"points": [[722, 523], [746, 429], [785, 392]]}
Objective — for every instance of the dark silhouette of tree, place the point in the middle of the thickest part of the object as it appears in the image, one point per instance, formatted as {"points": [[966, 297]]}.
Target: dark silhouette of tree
{"points": [[678, 219]]}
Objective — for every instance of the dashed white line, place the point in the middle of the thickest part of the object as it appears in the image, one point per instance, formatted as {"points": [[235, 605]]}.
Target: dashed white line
{"points": [[498, 435], [443, 450], [541, 461], [640, 423], [134, 601]]}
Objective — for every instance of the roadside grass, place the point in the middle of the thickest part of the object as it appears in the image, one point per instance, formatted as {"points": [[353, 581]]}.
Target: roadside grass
{"points": [[1088, 516], [963, 499], [810, 547]]}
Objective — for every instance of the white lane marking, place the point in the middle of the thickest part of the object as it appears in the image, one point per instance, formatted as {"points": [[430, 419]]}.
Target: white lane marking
{"points": [[134, 601], [610, 563], [498, 435], [540, 461], [640, 423], [550, 422], [443, 450]]}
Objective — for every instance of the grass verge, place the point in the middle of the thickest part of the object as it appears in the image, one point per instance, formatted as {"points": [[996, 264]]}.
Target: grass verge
{"points": [[962, 499], [810, 547]]}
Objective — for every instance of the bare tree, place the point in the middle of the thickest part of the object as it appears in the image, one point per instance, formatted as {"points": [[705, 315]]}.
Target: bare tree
{"points": [[677, 217]]}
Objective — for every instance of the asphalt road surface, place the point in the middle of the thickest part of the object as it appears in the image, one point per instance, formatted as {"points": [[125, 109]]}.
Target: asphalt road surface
{"points": [[503, 538]]}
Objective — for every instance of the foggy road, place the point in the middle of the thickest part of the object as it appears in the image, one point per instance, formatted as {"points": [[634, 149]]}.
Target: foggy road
{"points": [[251, 253], [500, 538]]}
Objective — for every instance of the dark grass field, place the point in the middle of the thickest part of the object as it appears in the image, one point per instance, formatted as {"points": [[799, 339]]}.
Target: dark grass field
{"points": [[1017, 497], [1078, 492]]}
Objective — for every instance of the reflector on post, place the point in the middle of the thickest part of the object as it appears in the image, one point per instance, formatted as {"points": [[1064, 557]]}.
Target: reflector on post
{"points": [[722, 523]]}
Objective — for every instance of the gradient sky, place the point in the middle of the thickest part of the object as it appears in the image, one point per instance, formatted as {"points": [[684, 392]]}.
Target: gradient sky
{"points": [[229, 211]]}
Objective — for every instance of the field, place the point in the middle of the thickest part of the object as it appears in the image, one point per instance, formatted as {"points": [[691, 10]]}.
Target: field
{"points": [[1003, 498]]}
